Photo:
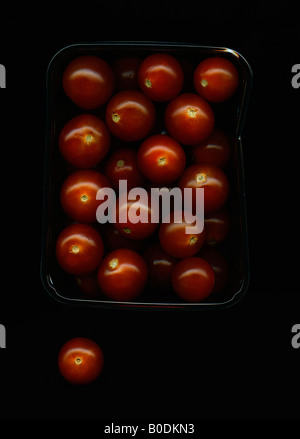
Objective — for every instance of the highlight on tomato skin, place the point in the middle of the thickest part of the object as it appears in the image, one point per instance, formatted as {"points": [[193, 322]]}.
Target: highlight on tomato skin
{"points": [[80, 361]]}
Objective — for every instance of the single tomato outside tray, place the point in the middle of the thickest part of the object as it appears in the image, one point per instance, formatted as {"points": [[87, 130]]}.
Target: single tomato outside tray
{"points": [[212, 123]]}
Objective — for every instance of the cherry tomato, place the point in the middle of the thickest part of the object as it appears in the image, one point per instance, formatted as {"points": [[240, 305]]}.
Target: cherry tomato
{"points": [[88, 284], [88, 81], [217, 227], [175, 240], [113, 240], [122, 165], [212, 179], [80, 361], [189, 119], [130, 115], [126, 73], [161, 159], [79, 249], [215, 150], [218, 264], [78, 194], [160, 77], [84, 141], [216, 79], [122, 274], [193, 279], [160, 267], [137, 218]]}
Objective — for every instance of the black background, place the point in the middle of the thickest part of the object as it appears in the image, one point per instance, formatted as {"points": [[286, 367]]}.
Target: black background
{"points": [[227, 364]]}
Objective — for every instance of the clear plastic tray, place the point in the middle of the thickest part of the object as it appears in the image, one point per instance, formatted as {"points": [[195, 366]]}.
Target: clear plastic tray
{"points": [[64, 287]]}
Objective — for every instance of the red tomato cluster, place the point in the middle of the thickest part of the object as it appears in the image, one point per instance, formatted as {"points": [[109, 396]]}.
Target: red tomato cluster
{"points": [[138, 122]]}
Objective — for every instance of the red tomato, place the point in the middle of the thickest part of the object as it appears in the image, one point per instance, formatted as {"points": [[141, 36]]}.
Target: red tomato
{"points": [[189, 119], [88, 284], [88, 81], [126, 73], [79, 249], [174, 239], [160, 267], [161, 159], [130, 115], [219, 265], [80, 360], [122, 165], [78, 194], [215, 150], [217, 226], [160, 77], [212, 179], [136, 212], [216, 79], [122, 274], [114, 239], [84, 141], [193, 279]]}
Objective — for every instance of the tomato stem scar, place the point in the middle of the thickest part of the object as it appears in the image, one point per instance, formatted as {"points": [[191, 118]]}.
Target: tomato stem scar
{"points": [[75, 248], [113, 263], [89, 138], [148, 83], [203, 82], [120, 163], [192, 112], [78, 360], [127, 230], [84, 198], [193, 240], [162, 161], [115, 117], [201, 178]]}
